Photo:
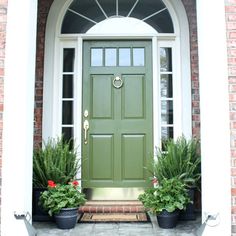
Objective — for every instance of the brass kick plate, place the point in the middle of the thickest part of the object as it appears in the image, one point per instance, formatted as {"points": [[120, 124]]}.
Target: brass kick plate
{"points": [[123, 194]]}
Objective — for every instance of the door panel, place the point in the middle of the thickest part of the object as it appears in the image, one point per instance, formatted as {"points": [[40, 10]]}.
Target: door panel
{"points": [[120, 118], [102, 152], [102, 97], [133, 97], [133, 161]]}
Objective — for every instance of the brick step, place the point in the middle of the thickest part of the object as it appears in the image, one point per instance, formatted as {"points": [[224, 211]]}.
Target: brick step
{"points": [[112, 207]]}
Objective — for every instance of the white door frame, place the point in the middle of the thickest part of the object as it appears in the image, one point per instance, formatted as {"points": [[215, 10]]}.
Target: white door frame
{"points": [[157, 42], [179, 41]]}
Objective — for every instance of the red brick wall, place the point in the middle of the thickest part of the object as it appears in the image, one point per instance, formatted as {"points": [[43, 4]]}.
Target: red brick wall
{"points": [[230, 10], [190, 6], [3, 22], [43, 9]]}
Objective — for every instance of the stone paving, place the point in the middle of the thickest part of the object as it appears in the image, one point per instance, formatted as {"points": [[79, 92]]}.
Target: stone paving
{"points": [[184, 228]]}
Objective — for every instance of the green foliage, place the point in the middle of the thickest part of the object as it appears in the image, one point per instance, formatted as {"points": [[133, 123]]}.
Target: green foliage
{"points": [[56, 160], [60, 196], [180, 158], [169, 195]]}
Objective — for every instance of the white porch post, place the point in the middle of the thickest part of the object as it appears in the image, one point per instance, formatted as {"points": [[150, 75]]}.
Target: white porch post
{"points": [[215, 133], [18, 115]]}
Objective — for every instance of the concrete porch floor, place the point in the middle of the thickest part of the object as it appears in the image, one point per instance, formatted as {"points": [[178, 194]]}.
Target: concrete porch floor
{"points": [[184, 228]]}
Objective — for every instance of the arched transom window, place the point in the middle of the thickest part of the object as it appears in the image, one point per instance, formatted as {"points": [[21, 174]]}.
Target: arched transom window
{"points": [[83, 15]]}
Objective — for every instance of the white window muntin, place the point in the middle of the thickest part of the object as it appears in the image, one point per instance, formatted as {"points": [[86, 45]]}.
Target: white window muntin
{"points": [[58, 89], [176, 89]]}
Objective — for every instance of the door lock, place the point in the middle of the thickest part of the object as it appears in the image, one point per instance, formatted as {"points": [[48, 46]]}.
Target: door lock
{"points": [[86, 113]]}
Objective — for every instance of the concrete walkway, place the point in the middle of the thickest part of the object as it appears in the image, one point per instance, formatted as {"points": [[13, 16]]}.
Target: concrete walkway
{"points": [[184, 228]]}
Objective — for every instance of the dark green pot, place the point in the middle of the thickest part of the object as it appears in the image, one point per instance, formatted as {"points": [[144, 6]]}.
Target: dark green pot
{"points": [[39, 214], [189, 212], [168, 220], [66, 218]]}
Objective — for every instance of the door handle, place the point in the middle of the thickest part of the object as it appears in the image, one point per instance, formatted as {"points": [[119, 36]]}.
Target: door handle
{"points": [[86, 128]]}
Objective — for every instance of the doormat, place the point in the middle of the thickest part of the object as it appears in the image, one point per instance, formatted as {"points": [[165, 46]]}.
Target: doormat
{"points": [[113, 217]]}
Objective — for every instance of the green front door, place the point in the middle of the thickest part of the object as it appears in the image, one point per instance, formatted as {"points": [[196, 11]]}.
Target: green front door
{"points": [[117, 114]]}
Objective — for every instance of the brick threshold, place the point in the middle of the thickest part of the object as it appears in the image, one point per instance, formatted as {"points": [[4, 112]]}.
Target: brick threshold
{"points": [[112, 207]]}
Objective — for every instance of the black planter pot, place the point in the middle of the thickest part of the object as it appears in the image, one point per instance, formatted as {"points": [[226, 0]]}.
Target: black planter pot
{"points": [[168, 220], [37, 211], [189, 212], [66, 218]]}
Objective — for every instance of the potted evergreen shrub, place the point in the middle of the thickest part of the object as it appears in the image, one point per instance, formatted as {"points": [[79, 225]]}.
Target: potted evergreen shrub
{"points": [[62, 201], [181, 158], [56, 160], [166, 199]]}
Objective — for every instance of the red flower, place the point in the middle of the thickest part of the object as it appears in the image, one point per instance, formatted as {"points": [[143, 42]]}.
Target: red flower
{"points": [[154, 181], [51, 184], [75, 183]]}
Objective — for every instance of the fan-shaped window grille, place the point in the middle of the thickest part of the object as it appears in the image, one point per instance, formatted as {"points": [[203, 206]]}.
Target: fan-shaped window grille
{"points": [[84, 14]]}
